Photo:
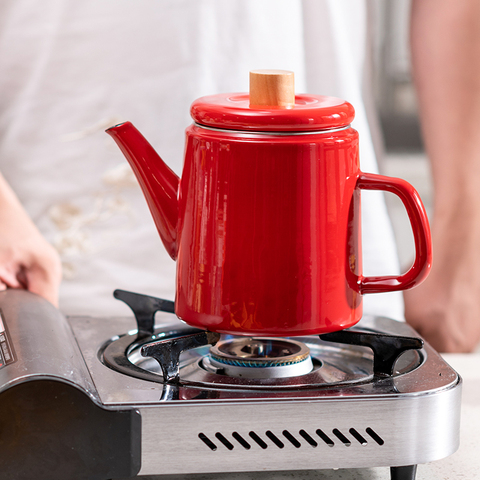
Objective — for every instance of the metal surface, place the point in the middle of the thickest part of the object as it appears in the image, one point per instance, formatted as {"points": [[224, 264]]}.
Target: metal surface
{"points": [[44, 345], [386, 348], [144, 308], [340, 415], [334, 366], [259, 357], [167, 352], [273, 133], [349, 433], [288, 423], [259, 352], [243, 371]]}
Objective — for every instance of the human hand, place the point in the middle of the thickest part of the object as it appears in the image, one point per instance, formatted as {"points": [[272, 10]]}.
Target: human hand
{"points": [[445, 308], [450, 326], [27, 260]]}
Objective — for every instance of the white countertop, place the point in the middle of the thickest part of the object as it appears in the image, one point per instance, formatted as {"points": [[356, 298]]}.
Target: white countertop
{"points": [[464, 464]]}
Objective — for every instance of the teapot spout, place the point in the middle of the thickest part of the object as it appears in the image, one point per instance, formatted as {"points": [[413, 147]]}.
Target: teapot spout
{"points": [[159, 183]]}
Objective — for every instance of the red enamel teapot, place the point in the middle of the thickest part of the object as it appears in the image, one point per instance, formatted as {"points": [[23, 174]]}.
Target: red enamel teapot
{"points": [[265, 222]]}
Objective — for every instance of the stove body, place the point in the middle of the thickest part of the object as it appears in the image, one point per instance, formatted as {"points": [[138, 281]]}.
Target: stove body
{"points": [[68, 408]]}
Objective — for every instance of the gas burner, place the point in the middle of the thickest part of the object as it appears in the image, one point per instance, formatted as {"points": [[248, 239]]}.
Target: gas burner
{"points": [[185, 356], [260, 357], [330, 365]]}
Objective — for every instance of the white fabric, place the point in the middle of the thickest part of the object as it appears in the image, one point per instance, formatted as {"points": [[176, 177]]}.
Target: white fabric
{"points": [[70, 69]]}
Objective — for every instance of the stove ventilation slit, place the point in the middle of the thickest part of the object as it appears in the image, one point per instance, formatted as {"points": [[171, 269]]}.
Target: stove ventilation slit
{"points": [[224, 440], [308, 438], [207, 441], [291, 439], [341, 437], [325, 438], [274, 439], [258, 440], [362, 441], [241, 440], [375, 436]]}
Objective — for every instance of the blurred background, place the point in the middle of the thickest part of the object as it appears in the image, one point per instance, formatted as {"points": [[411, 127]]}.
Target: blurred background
{"points": [[403, 154]]}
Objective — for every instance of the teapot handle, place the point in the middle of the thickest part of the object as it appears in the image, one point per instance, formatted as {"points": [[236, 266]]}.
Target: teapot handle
{"points": [[421, 234]]}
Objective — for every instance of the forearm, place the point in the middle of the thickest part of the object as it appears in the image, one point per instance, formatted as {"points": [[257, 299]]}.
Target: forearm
{"points": [[445, 39]]}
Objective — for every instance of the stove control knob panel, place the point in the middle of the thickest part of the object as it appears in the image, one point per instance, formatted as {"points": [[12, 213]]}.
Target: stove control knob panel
{"points": [[7, 355]]}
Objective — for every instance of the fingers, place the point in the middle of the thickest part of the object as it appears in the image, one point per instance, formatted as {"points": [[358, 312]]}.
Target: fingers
{"points": [[44, 280], [47, 290], [447, 329], [45, 286], [27, 260], [41, 274], [9, 279]]}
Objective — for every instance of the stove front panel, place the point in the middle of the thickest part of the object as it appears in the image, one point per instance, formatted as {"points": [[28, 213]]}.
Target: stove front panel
{"points": [[268, 435], [7, 353]]}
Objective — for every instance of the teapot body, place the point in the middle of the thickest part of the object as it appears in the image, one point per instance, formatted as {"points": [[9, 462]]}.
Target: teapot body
{"points": [[265, 222], [269, 236]]}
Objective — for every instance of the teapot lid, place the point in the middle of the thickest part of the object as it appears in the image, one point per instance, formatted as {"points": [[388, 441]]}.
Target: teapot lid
{"points": [[232, 111]]}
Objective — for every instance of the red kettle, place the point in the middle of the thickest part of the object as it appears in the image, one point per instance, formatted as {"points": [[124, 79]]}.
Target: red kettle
{"points": [[265, 222]]}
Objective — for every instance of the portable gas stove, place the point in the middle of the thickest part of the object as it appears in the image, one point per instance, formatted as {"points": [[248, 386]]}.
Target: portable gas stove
{"points": [[88, 398]]}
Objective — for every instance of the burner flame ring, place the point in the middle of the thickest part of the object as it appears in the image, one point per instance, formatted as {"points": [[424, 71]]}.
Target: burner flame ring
{"points": [[261, 357]]}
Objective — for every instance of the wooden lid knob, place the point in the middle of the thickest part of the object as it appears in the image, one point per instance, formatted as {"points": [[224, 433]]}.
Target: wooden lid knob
{"points": [[272, 88]]}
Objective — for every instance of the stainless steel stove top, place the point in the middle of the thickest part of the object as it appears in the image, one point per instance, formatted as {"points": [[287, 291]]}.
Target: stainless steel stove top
{"points": [[341, 413], [338, 372]]}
